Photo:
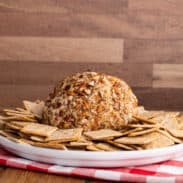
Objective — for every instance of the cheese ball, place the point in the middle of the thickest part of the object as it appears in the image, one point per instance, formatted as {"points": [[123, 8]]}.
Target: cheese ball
{"points": [[91, 101]]}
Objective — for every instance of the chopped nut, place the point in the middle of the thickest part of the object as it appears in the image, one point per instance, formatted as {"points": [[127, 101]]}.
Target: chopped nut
{"points": [[91, 101]]}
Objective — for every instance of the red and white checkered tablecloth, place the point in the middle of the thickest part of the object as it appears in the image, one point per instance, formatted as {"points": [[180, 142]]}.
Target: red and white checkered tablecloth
{"points": [[166, 172]]}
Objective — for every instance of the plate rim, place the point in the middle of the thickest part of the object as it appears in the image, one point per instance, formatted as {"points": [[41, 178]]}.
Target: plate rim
{"points": [[89, 155]]}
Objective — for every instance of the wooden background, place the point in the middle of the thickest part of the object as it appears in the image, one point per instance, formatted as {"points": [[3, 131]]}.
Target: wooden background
{"points": [[42, 41]]}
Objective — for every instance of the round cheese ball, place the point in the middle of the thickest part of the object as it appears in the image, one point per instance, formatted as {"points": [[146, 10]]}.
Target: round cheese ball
{"points": [[91, 101]]}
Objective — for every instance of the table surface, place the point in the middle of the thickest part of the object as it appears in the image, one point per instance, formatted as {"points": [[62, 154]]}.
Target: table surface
{"points": [[34, 35], [9, 175]]}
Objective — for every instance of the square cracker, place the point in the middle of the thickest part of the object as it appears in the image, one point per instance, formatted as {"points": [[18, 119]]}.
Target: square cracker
{"points": [[12, 126], [151, 114], [175, 139], [122, 146], [142, 132], [10, 136], [2, 124], [144, 119], [33, 107], [170, 122], [50, 145], [79, 144], [20, 123], [17, 118], [102, 134], [93, 148], [66, 135], [19, 114], [163, 141], [142, 139], [38, 129], [37, 138], [175, 132], [106, 147]]}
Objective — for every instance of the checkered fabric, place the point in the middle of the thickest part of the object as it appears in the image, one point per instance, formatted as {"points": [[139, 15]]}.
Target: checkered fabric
{"points": [[170, 171]]}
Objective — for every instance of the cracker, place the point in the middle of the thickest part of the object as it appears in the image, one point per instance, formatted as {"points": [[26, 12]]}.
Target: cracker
{"points": [[173, 113], [10, 112], [180, 122], [33, 107], [144, 125], [140, 110], [150, 114], [123, 146], [50, 145], [25, 141], [175, 132], [92, 148], [106, 147], [163, 141], [142, 139], [170, 122], [23, 135], [136, 147], [131, 131], [9, 130], [102, 134], [17, 118], [142, 132], [84, 139], [38, 129], [21, 110], [10, 136], [12, 126], [19, 123], [79, 144], [37, 138], [66, 135], [143, 119], [176, 140], [2, 124]]}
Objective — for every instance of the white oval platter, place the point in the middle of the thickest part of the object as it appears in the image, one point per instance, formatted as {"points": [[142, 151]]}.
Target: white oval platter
{"points": [[92, 159]]}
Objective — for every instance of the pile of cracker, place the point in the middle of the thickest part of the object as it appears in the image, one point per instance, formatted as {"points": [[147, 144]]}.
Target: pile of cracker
{"points": [[146, 130]]}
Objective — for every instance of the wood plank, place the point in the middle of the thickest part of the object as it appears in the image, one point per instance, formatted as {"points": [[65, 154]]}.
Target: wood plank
{"points": [[153, 51], [69, 6], [9, 175], [12, 95], [61, 49], [160, 7], [160, 98], [157, 98], [87, 22], [48, 73], [168, 76], [126, 25]]}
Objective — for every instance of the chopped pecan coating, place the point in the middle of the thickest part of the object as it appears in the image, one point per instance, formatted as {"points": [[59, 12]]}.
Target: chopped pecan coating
{"points": [[90, 100]]}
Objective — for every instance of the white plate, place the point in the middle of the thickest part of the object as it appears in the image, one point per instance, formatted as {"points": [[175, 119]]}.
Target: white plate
{"points": [[92, 159]]}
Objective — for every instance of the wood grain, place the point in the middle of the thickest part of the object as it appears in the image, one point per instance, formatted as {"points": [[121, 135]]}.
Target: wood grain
{"points": [[160, 7], [153, 51], [22, 73], [12, 95], [9, 175], [160, 98], [168, 75], [124, 25], [69, 6], [86, 20], [61, 49]]}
